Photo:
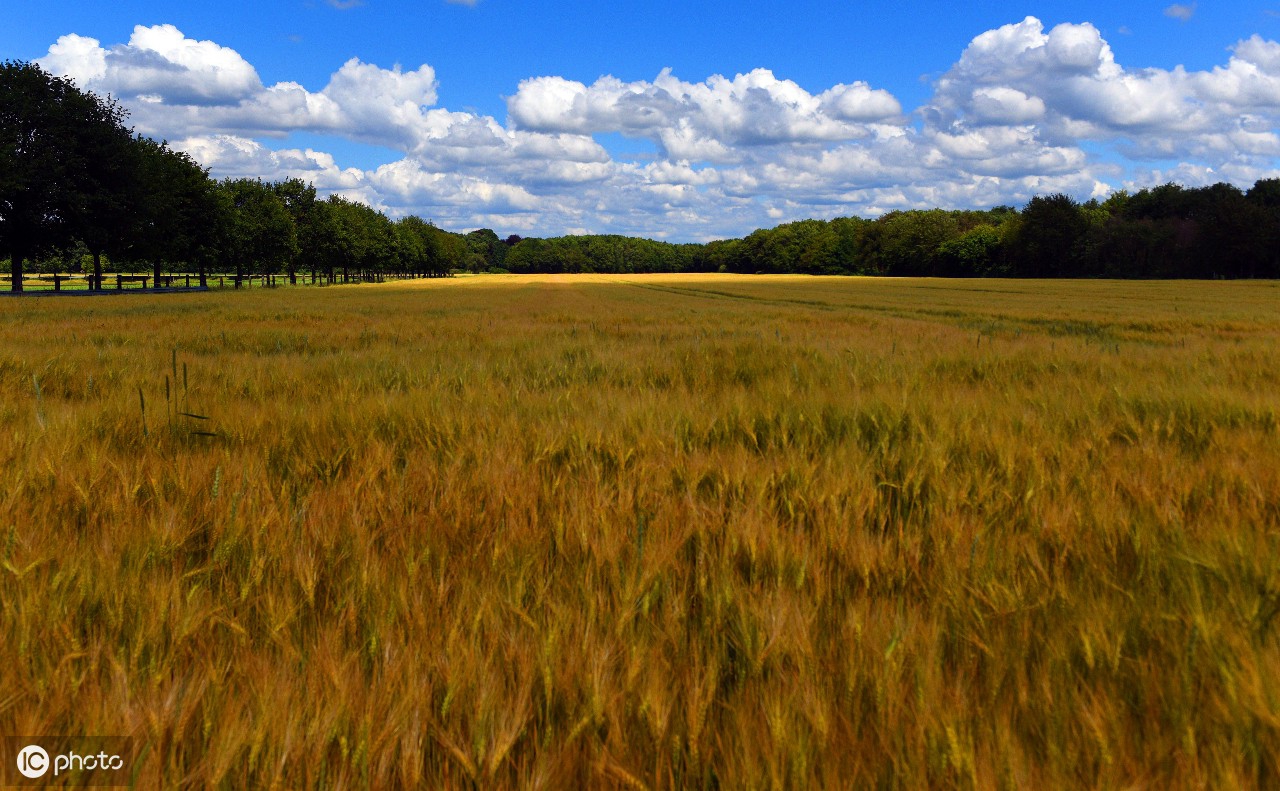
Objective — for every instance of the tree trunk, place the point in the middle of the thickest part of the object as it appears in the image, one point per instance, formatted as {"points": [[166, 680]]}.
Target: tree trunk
{"points": [[16, 260], [96, 285]]}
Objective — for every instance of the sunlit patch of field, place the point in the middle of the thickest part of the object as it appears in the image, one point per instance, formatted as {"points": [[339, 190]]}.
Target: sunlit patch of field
{"points": [[650, 531]]}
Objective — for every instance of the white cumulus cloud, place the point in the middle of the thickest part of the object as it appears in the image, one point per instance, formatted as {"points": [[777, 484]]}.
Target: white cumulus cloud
{"points": [[702, 120], [159, 62]]}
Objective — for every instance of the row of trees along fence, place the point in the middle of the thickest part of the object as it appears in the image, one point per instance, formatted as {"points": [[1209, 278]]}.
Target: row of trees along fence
{"points": [[76, 184]]}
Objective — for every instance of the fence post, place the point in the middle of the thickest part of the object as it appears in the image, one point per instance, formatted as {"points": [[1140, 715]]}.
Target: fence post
{"points": [[57, 284], [119, 282]]}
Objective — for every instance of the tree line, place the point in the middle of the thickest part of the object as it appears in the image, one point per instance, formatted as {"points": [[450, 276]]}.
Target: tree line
{"points": [[76, 184], [1170, 231]]}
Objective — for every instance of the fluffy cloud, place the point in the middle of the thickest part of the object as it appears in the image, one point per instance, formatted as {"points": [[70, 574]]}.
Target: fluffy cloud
{"points": [[240, 157], [704, 120], [1068, 83], [388, 105], [1023, 110], [1002, 105], [159, 64], [177, 86], [1022, 100]]}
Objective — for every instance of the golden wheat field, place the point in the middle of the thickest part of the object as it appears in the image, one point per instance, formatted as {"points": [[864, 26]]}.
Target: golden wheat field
{"points": [[683, 531]]}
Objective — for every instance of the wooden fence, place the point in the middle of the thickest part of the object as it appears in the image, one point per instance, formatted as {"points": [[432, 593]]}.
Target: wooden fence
{"points": [[144, 280]]}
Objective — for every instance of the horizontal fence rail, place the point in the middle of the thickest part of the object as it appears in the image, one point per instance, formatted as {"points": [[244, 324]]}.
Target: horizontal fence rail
{"points": [[123, 281]]}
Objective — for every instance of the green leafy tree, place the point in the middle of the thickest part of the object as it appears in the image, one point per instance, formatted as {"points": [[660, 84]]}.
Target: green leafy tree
{"points": [[260, 233], [118, 186], [299, 199], [847, 254], [176, 213], [412, 246], [1230, 238], [452, 251], [487, 250], [1049, 239], [425, 249], [910, 241], [973, 253], [348, 236], [366, 239], [1265, 195], [57, 172]]}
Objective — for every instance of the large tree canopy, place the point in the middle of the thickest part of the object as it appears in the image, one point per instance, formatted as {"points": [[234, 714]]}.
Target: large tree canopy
{"points": [[261, 231], [60, 150]]}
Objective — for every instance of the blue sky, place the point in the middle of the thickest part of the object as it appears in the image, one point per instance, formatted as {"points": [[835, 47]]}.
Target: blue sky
{"points": [[683, 121]]}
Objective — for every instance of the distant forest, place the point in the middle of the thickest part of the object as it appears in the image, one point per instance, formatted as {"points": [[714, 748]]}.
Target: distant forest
{"points": [[1166, 232], [79, 191]]}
